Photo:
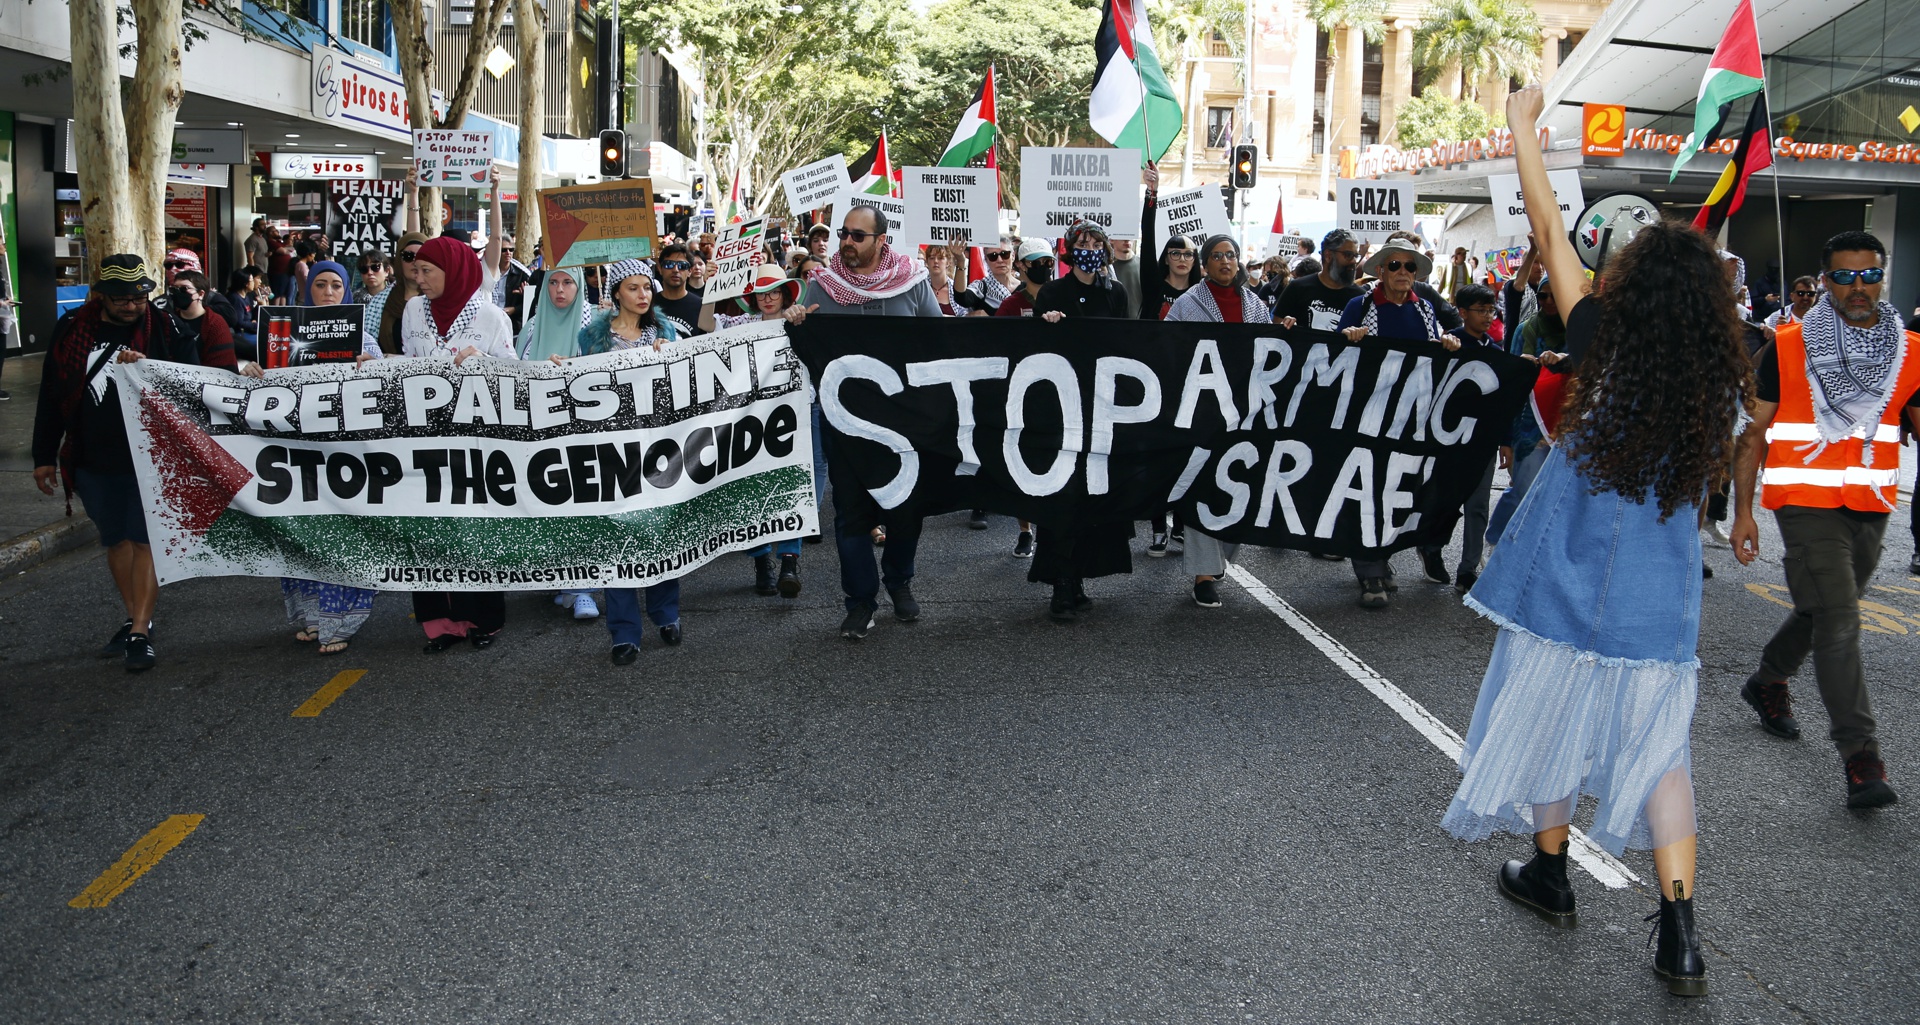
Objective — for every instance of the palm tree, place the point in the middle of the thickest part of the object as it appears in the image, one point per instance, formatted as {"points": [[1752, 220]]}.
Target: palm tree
{"points": [[1477, 40], [1369, 16]]}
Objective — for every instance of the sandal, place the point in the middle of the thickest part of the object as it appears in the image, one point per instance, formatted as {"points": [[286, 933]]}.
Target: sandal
{"points": [[333, 647], [879, 537], [307, 635]]}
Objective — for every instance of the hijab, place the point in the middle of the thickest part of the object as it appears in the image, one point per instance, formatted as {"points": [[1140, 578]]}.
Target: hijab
{"points": [[397, 295], [322, 267], [554, 330], [462, 268]]}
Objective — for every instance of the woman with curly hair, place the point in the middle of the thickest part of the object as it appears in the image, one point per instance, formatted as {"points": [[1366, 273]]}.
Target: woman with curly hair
{"points": [[1596, 585]]}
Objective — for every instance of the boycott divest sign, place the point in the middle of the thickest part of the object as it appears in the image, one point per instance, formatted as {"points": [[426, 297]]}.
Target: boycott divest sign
{"points": [[1059, 186], [1308, 442], [621, 470]]}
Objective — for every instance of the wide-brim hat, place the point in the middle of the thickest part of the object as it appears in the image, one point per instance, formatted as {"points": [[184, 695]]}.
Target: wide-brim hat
{"points": [[767, 278], [124, 274], [1398, 249]]}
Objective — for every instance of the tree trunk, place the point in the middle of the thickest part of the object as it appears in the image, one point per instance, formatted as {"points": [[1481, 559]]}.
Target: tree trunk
{"points": [[487, 18], [1326, 115], [100, 134], [151, 106], [416, 70], [530, 28]]}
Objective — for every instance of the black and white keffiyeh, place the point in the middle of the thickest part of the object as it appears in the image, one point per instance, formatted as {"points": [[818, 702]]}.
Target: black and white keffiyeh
{"points": [[1371, 319], [990, 289], [1196, 304], [1851, 371]]}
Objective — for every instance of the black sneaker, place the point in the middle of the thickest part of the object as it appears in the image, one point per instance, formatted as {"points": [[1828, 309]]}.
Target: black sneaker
{"points": [[1774, 704], [1157, 548], [1023, 545], [789, 576], [1373, 593], [859, 620], [139, 655], [5, 395], [625, 654], [670, 635], [1435, 565], [1913, 564], [1706, 572], [1464, 580], [905, 609], [977, 520], [1867, 785], [1081, 602], [116, 646], [1206, 593], [1179, 539]]}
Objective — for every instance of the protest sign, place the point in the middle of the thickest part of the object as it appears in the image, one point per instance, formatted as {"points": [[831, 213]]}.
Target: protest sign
{"points": [[360, 216], [950, 204], [1372, 210], [297, 336], [736, 254], [812, 186], [895, 209], [1510, 207], [1309, 442], [1058, 186], [452, 158], [617, 470], [1196, 213], [600, 223]]}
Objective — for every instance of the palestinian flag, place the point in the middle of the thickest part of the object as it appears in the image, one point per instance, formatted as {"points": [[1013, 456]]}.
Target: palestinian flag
{"points": [[734, 214], [1734, 71], [1133, 104], [1755, 152], [974, 136], [873, 173]]}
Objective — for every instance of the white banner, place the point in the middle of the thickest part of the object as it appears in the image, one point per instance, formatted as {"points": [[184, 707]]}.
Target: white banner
{"points": [[1195, 213], [1510, 208], [1372, 210], [812, 186], [452, 158], [736, 253], [1059, 186], [950, 204]]}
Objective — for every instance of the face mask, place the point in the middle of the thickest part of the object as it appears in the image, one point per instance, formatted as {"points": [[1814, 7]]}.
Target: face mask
{"points": [[1089, 260], [1040, 271], [180, 298]]}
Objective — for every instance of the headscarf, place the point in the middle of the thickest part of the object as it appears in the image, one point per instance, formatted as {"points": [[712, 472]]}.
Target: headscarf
{"points": [[319, 268], [554, 330], [397, 295], [186, 256], [463, 280]]}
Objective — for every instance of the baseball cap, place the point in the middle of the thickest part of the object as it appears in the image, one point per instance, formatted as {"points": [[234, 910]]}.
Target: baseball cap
{"points": [[1033, 248]]}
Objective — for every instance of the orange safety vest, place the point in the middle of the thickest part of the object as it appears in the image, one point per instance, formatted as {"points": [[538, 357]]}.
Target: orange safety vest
{"points": [[1839, 476]]}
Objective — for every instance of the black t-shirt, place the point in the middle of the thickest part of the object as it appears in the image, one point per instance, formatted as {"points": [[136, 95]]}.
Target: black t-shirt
{"points": [[1443, 311], [1766, 378], [1104, 298], [683, 312], [1314, 305], [103, 428]]}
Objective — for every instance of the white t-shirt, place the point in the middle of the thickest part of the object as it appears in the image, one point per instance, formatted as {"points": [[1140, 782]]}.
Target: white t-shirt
{"points": [[481, 324]]}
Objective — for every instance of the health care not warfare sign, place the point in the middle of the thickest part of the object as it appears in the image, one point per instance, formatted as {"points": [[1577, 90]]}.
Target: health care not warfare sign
{"points": [[1308, 442], [617, 470]]}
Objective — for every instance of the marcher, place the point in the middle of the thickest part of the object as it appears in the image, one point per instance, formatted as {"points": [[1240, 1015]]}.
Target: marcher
{"points": [[867, 277], [1318, 302], [1835, 391], [820, 240], [380, 319], [674, 299], [1592, 681], [1177, 271], [182, 261], [1477, 313], [1806, 291], [552, 330], [259, 245], [992, 288], [80, 435], [939, 264], [242, 295], [1034, 262], [189, 301]]}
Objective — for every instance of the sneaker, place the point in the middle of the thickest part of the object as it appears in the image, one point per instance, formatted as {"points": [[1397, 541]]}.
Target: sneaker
{"points": [[670, 635], [564, 599], [1206, 593], [977, 520], [1716, 535], [1060, 607], [116, 646], [139, 656], [1464, 580], [789, 576], [1023, 545], [1435, 565], [584, 608], [859, 620], [1178, 537], [5, 395], [1157, 548], [1774, 704], [1913, 564], [905, 609], [1867, 785], [625, 654], [1329, 558], [1373, 593], [763, 576], [1706, 571]]}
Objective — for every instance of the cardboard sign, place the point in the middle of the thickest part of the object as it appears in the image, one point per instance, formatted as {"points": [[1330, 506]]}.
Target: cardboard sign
{"points": [[298, 336], [600, 223], [452, 158], [1510, 207], [1060, 186], [895, 209], [949, 204], [812, 186], [736, 253], [360, 216], [1196, 213], [1372, 210]]}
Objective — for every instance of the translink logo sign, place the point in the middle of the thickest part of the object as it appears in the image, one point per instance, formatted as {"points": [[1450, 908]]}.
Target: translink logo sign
{"points": [[1603, 130]]}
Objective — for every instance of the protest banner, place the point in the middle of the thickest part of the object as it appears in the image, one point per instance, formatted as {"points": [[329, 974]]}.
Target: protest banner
{"points": [[736, 255], [946, 205], [452, 158], [298, 336], [1510, 207], [599, 223], [361, 216], [1372, 210], [812, 186], [1196, 213], [1058, 186], [1308, 442], [617, 470]]}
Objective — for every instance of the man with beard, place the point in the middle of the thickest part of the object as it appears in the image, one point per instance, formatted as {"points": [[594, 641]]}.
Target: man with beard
{"points": [[1317, 302], [678, 303], [1833, 393], [867, 278]]}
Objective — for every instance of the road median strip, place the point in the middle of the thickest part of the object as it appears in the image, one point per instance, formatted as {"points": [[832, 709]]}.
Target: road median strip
{"points": [[139, 858]]}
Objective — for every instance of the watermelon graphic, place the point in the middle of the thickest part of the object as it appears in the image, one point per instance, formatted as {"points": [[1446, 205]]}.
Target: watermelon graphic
{"points": [[198, 478], [563, 227]]}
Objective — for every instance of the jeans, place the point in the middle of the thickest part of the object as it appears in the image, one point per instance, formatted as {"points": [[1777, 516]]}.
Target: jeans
{"points": [[791, 546], [859, 577], [623, 610], [1525, 469], [1473, 524], [1830, 556]]}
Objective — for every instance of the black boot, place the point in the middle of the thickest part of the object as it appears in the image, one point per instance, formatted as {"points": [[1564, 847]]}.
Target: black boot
{"points": [[763, 575], [1677, 959], [1061, 608], [790, 576], [1081, 602], [1541, 886]]}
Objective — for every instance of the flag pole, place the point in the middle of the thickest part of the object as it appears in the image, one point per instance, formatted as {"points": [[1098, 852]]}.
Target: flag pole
{"points": [[1779, 220]]}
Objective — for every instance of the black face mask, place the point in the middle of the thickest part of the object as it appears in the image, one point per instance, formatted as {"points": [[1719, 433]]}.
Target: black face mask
{"points": [[180, 298]]}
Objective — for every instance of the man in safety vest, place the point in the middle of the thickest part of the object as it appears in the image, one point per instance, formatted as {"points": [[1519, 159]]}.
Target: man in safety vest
{"points": [[1832, 391]]}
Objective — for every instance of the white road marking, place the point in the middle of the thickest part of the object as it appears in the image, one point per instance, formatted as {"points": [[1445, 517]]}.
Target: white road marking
{"points": [[1588, 855]]}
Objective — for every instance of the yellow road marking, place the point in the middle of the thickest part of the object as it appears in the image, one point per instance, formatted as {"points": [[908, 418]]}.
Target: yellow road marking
{"points": [[135, 863], [325, 696], [1874, 616]]}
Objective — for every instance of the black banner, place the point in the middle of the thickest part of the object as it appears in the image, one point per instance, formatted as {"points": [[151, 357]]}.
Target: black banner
{"points": [[1306, 441], [362, 215], [298, 336]]}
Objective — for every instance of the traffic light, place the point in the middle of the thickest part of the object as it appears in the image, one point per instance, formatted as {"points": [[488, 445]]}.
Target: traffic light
{"points": [[613, 153], [699, 184], [1246, 166]]}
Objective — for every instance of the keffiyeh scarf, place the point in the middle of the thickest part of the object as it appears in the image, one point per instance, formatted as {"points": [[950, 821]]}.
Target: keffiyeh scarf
{"points": [[1851, 371], [990, 289], [1197, 304], [1371, 320], [894, 274]]}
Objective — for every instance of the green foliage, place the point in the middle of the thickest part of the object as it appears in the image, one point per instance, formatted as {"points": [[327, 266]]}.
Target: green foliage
{"points": [[1433, 117], [1369, 16], [1483, 38]]}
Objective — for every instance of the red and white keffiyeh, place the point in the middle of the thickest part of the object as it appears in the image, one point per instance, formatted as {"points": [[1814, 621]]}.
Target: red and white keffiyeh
{"points": [[895, 273]]}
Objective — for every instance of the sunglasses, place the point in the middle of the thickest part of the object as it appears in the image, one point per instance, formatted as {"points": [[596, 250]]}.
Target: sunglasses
{"points": [[998, 256], [409, 255], [175, 263], [674, 265], [1393, 265], [856, 235], [1804, 293], [1870, 276]]}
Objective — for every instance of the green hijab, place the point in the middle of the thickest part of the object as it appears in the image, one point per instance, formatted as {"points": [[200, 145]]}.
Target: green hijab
{"points": [[553, 330]]}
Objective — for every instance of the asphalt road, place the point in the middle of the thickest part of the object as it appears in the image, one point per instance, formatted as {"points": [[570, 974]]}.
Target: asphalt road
{"points": [[1158, 814]]}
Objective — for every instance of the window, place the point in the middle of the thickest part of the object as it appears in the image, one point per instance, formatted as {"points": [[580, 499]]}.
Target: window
{"points": [[1319, 90], [1372, 75], [302, 9], [364, 22], [1566, 45], [1219, 127]]}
